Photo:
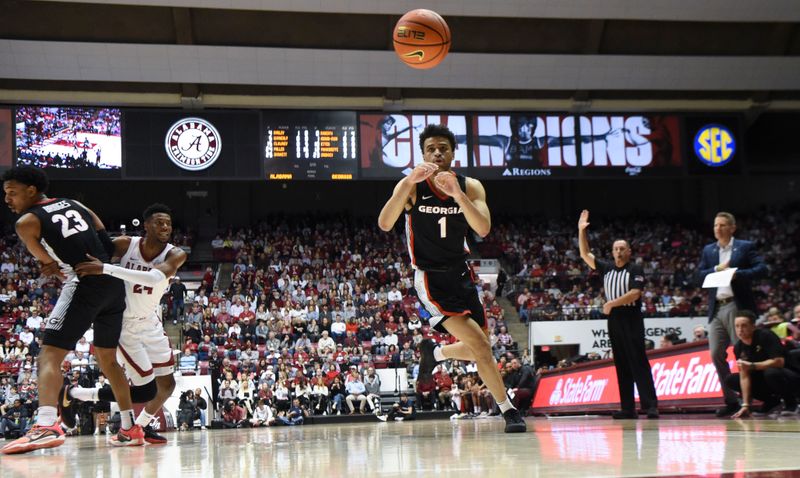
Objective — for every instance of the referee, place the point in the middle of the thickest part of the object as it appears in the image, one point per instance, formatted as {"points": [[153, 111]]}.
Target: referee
{"points": [[623, 283]]}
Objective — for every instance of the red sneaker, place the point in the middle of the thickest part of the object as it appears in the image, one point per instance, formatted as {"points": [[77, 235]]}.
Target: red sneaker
{"points": [[37, 437], [134, 436]]}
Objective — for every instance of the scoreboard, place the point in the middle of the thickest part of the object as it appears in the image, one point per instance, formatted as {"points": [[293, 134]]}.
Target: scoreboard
{"points": [[310, 145]]}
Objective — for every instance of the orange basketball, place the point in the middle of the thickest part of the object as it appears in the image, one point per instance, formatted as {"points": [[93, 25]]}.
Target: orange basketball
{"points": [[421, 39]]}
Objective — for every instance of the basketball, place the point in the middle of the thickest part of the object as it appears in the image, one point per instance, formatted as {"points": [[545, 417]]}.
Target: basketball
{"points": [[421, 39]]}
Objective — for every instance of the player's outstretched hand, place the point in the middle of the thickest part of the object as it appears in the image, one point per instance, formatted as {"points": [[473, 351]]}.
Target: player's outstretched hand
{"points": [[447, 182], [583, 222], [422, 172], [92, 267]]}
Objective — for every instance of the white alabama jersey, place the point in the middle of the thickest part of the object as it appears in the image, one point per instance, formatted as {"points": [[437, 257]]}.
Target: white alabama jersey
{"points": [[142, 301]]}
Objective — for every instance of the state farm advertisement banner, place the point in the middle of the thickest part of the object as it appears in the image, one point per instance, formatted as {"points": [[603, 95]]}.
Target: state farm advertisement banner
{"points": [[688, 374]]}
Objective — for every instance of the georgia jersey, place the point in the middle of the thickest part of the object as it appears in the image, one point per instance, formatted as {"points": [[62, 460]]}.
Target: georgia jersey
{"points": [[140, 300]]}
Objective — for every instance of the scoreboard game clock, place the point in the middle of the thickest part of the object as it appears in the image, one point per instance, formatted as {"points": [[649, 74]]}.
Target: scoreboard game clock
{"points": [[312, 145]]}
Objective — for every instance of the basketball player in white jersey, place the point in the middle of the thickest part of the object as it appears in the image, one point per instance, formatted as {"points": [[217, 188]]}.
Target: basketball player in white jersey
{"points": [[146, 265]]}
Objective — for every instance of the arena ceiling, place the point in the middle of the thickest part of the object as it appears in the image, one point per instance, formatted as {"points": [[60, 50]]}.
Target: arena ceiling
{"points": [[506, 54]]}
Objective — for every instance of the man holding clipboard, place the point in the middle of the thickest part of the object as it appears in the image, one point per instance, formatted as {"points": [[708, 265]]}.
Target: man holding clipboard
{"points": [[726, 296]]}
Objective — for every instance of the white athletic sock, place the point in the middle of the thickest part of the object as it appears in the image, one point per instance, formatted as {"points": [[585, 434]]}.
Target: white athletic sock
{"points": [[144, 418], [127, 419], [505, 405], [47, 416], [438, 354], [84, 394]]}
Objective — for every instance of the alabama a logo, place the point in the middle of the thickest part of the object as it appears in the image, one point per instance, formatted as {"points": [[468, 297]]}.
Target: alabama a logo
{"points": [[193, 144]]}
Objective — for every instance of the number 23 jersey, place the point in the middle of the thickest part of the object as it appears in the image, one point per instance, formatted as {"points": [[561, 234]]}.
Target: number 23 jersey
{"points": [[436, 229], [142, 301], [68, 233]]}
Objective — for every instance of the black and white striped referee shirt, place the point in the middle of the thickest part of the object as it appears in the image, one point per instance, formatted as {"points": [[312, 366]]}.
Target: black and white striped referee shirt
{"points": [[617, 281]]}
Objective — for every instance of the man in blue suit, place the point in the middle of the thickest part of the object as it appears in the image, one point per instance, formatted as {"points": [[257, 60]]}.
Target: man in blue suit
{"points": [[725, 302]]}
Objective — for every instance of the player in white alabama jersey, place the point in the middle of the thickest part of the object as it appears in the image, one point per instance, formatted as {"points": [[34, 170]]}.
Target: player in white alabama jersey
{"points": [[146, 265]]}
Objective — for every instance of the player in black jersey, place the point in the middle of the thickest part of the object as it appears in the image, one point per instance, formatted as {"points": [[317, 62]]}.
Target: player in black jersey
{"points": [[60, 233], [440, 208]]}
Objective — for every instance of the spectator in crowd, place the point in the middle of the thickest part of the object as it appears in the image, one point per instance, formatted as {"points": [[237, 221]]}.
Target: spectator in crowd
{"points": [[262, 416], [201, 406], [326, 342], [372, 383], [282, 400], [762, 369], [774, 321], [226, 392], [233, 416], [337, 394], [425, 392], [319, 396], [698, 333], [188, 361], [444, 387], [296, 414], [402, 410], [668, 340], [338, 329], [356, 391], [178, 293], [13, 418], [521, 381]]}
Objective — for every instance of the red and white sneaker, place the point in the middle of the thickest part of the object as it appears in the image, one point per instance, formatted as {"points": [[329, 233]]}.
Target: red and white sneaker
{"points": [[37, 437], [134, 436]]}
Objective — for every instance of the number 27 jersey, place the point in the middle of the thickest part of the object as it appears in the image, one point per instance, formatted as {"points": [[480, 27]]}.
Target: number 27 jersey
{"points": [[142, 301], [436, 229]]}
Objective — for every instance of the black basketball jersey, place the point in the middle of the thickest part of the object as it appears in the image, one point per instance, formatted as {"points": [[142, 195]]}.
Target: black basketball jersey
{"points": [[436, 229], [67, 232]]}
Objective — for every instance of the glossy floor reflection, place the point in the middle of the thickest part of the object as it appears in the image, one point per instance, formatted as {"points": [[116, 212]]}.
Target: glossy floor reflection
{"points": [[573, 447]]}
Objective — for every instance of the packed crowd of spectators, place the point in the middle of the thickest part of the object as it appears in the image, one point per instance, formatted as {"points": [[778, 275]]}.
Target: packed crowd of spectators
{"points": [[317, 304], [313, 303], [62, 125], [548, 280]]}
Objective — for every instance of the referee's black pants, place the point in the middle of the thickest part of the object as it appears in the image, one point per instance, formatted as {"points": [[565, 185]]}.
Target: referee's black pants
{"points": [[626, 332]]}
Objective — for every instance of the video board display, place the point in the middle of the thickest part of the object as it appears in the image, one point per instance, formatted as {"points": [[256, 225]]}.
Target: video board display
{"points": [[68, 141], [390, 142]]}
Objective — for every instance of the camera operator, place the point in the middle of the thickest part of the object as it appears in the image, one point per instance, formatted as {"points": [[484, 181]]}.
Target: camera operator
{"points": [[233, 416], [187, 410]]}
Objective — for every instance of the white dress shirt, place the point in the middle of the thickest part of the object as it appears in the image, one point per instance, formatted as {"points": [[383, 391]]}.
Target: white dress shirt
{"points": [[725, 256]]}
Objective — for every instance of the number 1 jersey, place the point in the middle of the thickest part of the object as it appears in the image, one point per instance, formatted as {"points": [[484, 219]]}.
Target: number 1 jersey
{"points": [[142, 301], [68, 233], [436, 229]]}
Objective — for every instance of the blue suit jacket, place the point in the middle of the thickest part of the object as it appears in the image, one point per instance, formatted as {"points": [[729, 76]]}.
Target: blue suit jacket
{"points": [[750, 266]]}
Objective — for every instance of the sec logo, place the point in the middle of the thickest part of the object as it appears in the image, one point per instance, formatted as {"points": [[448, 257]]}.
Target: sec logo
{"points": [[714, 145], [193, 144]]}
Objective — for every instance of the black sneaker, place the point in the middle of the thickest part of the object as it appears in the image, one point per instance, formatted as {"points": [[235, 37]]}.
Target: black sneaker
{"points": [[150, 436], [728, 410], [66, 406], [514, 421], [427, 362], [652, 413], [624, 415]]}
